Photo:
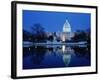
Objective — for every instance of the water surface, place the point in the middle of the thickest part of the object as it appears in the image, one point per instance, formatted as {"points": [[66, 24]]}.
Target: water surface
{"points": [[55, 56]]}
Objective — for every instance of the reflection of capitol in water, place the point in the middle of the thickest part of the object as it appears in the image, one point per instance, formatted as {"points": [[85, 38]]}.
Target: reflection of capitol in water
{"points": [[67, 52], [55, 56]]}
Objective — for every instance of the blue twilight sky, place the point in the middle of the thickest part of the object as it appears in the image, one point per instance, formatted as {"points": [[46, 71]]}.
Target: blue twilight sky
{"points": [[54, 21]]}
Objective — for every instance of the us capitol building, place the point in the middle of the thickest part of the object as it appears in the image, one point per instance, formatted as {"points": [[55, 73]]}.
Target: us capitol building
{"points": [[66, 33]]}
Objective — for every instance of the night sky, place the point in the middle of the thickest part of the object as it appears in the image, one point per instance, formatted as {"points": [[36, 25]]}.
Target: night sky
{"points": [[54, 21]]}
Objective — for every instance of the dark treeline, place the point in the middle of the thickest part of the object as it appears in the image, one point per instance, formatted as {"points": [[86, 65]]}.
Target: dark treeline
{"points": [[38, 34], [81, 35]]}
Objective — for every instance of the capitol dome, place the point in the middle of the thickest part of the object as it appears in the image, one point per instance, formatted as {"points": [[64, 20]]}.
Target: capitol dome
{"points": [[66, 27]]}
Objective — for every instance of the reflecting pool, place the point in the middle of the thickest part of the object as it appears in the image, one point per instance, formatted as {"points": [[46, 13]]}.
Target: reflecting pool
{"points": [[56, 56]]}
